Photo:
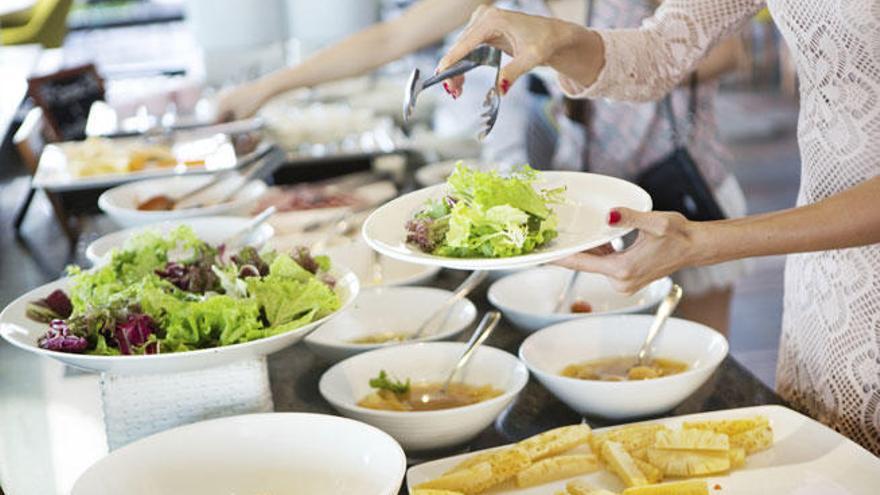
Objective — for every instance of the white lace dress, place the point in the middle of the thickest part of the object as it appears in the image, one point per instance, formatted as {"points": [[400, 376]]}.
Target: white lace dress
{"points": [[829, 360]]}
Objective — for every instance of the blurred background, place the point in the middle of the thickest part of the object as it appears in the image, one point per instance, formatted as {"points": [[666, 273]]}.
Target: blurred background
{"points": [[163, 62]]}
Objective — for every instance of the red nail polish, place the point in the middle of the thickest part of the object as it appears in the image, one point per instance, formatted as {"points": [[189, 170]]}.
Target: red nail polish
{"points": [[446, 87], [505, 86], [613, 217]]}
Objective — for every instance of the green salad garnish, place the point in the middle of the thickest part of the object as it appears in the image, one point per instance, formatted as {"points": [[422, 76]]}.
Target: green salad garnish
{"points": [[174, 293], [384, 382], [487, 215]]}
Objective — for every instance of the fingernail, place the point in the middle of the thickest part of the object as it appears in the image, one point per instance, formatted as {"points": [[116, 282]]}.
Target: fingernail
{"points": [[446, 87], [505, 86], [613, 217]]}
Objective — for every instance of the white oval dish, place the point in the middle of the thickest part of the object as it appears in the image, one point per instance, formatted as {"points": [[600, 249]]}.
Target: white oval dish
{"points": [[528, 298], [120, 203], [548, 351], [22, 332], [212, 230], [388, 309], [582, 223], [346, 383], [306, 454]]}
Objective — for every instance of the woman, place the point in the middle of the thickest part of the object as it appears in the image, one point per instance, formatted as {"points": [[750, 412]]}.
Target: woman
{"points": [[829, 360], [624, 142]]}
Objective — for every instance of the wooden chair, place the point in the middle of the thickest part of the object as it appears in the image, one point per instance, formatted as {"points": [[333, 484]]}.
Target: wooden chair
{"points": [[29, 141]]}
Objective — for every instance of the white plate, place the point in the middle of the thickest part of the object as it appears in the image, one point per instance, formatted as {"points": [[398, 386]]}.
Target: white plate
{"points": [[120, 203], [807, 458], [388, 309], [212, 230], [255, 454], [22, 332], [534, 309], [582, 222]]}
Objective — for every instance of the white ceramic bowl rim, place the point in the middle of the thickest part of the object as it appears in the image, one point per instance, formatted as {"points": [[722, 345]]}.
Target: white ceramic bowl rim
{"points": [[249, 191], [492, 296], [510, 392], [316, 335], [692, 370], [337, 270]]}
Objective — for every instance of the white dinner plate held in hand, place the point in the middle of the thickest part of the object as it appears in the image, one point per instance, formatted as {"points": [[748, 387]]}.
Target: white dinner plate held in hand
{"points": [[582, 222], [275, 453]]}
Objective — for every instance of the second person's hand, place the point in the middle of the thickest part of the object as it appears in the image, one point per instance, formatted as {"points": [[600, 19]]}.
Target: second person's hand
{"points": [[531, 41], [241, 102]]}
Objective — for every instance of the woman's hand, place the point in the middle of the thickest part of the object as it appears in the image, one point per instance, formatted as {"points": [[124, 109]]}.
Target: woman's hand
{"points": [[666, 243], [240, 102], [532, 41]]}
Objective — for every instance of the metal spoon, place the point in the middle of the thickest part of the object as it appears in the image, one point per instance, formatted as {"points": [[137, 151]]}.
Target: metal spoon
{"points": [[239, 237], [469, 284], [484, 329], [667, 306]]}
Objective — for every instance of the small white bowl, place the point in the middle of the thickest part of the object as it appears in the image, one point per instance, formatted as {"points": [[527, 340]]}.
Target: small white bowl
{"points": [[212, 230], [388, 309], [532, 309], [346, 383], [550, 350], [120, 203], [308, 454]]}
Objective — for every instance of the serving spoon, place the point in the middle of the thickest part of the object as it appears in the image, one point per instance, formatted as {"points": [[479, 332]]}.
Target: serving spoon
{"points": [[667, 306], [465, 288], [484, 329]]}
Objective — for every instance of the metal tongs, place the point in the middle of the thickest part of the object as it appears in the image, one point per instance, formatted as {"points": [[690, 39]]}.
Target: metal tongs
{"points": [[482, 55]]}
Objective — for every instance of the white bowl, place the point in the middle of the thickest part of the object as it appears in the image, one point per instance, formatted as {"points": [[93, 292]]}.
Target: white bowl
{"points": [[306, 454], [22, 332], [346, 383], [212, 230], [357, 255], [120, 203], [532, 309], [388, 309], [548, 351]]}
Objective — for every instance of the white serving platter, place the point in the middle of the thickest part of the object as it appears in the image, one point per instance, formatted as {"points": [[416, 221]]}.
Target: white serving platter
{"points": [[807, 458], [582, 222]]}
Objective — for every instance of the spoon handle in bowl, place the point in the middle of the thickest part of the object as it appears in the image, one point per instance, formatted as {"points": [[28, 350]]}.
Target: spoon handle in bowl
{"points": [[484, 329], [667, 306]]}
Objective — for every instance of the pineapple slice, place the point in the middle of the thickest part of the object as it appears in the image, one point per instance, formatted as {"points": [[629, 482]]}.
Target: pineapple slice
{"points": [[633, 438], [689, 463], [754, 440], [579, 487], [737, 457], [729, 427], [702, 440], [622, 464], [651, 472], [689, 487], [556, 441], [435, 492]]}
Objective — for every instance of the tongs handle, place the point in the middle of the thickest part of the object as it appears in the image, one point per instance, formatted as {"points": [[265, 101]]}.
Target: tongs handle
{"points": [[483, 55]]}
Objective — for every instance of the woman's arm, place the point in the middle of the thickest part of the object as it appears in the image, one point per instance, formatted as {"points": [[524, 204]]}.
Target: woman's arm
{"points": [[625, 64], [426, 22], [668, 242]]}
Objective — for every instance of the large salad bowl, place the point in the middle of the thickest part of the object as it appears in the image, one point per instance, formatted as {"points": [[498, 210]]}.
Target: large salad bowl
{"points": [[23, 332]]}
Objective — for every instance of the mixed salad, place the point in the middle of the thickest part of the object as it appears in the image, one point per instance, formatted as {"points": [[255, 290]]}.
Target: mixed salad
{"points": [[175, 293], [485, 214]]}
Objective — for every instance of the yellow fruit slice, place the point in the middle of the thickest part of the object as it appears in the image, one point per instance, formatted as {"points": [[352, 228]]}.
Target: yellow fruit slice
{"points": [[633, 438], [556, 468], [689, 487], [435, 492], [651, 472], [622, 464], [688, 463], [737, 457], [754, 440], [465, 480], [702, 440], [729, 427], [556, 441], [579, 487]]}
